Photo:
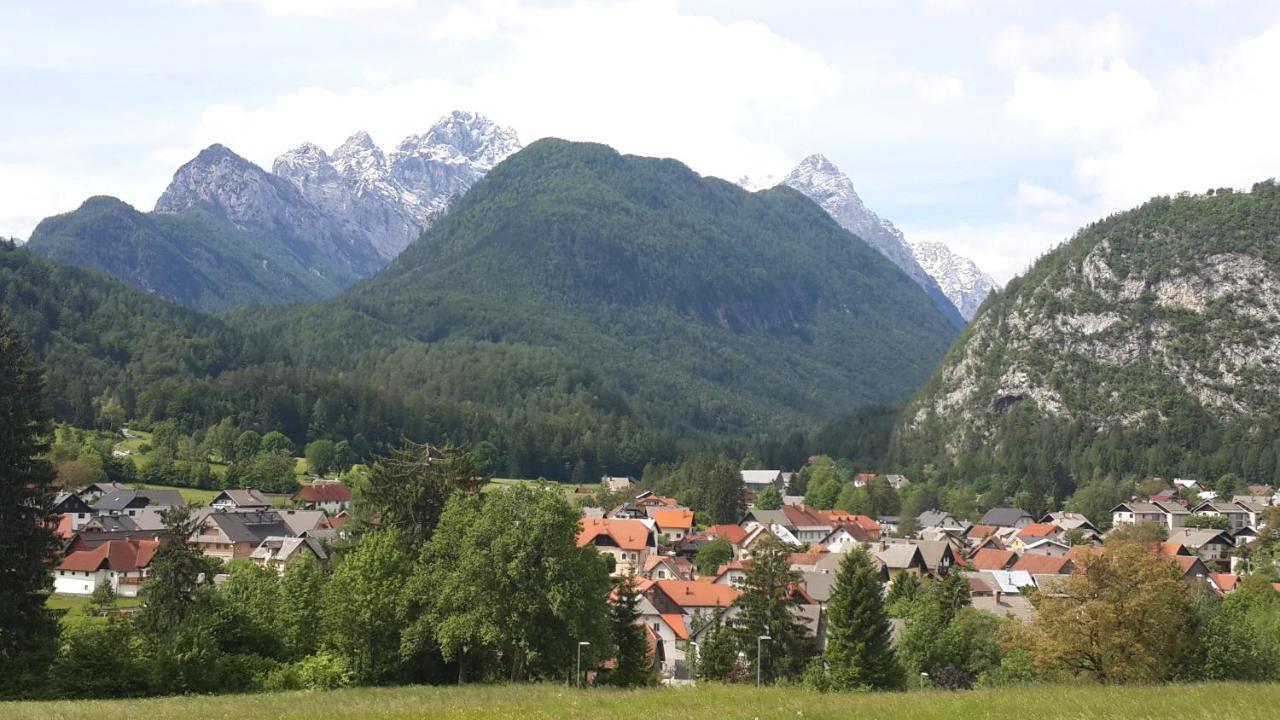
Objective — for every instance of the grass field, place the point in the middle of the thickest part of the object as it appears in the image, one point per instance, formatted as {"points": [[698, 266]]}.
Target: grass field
{"points": [[75, 606], [1191, 702]]}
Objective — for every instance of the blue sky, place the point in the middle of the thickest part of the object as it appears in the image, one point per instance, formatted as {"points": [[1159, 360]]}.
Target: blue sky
{"points": [[996, 127]]}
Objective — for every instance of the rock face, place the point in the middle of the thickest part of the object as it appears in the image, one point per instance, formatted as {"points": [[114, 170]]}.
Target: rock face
{"points": [[229, 186], [390, 199], [959, 277], [824, 183], [1167, 316]]}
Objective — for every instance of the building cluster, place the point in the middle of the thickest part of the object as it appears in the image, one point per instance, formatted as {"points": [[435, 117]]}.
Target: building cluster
{"points": [[1007, 552], [111, 532]]}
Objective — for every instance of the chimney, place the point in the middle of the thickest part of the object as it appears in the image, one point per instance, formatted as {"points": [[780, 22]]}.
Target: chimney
{"points": [[997, 596]]}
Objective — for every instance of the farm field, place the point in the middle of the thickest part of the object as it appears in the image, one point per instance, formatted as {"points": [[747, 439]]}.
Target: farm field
{"points": [[1046, 702]]}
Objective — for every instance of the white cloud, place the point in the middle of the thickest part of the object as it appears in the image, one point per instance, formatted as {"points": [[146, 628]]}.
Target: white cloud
{"points": [[932, 89], [1218, 130], [1110, 37], [640, 76], [1108, 96], [317, 8]]}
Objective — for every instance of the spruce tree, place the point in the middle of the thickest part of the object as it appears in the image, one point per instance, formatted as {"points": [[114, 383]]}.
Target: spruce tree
{"points": [[769, 605], [634, 666], [859, 650], [170, 592], [28, 547]]}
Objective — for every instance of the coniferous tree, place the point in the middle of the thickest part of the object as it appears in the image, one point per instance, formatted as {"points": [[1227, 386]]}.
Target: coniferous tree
{"points": [[769, 604], [634, 664], [28, 631], [716, 655], [176, 573], [859, 650]]}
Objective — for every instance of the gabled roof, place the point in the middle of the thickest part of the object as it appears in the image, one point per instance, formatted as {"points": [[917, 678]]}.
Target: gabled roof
{"points": [[897, 556], [1196, 538], [1005, 517], [804, 517], [300, 521], [761, 477], [116, 500], [1043, 564], [1068, 520], [988, 559], [249, 526], [932, 552], [122, 556], [1039, 530], [242, 498], [283, 548], [732, 534], [631, 535], [697, 593], [675, 519], [323, 492], [1225, 582], [934, 518]]}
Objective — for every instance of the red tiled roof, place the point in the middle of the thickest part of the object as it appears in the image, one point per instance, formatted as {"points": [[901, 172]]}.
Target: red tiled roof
{"points": [[1043, 564], [323, 493], [678, 519], [65, 521], [1079, 551], [1039, 530], [988, 559], [627, 534], [732, 534], [976, 585], [1225, 582], [804, 516], [697, 593], [117, 555], [1173, 548], [981, 531]]}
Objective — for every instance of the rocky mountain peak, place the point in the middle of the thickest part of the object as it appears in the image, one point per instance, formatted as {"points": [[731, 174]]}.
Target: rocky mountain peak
{"points": [[474, 136]]}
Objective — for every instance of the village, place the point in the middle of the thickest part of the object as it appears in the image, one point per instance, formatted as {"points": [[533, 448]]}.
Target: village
{"points": [[688, 573]]}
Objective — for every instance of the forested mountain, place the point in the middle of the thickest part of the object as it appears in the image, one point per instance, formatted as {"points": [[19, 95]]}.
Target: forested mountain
{"points": [[1149, 344], [706, 308], [194, 258]]}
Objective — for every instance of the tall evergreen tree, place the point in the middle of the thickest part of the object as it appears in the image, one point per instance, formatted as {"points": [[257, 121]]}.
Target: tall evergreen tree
{"points": [[634, 664], [859, 651], [169, 595], [768, 606], [28, 631], [408, 490]]}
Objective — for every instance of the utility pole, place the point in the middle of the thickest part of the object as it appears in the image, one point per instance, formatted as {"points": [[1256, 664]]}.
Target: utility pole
{"points": [[577, 671], [759, 655]]}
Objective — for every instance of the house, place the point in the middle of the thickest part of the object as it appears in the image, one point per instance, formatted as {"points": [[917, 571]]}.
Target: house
{"points": [[128, 502], [1192, 567], [235, 535], [1223, 583], [240, 499], [1043, 565], [1009, 517], [1256, 507], [1033, 533], [90, 493], [757, 481], [734, 574], [1237, 515], [897, 482], [1210, 545], [840, 517], [628, 542], [807, 524], [844, 536], [330, 496], [757, 531], [989, 559], [897, 558], [73, 508], [1046, 546], [304, 522], [673, 525], [617, 484], [1171, 515], [121, 564], [888, 524], [276, 550], [940, 519], [667, 567], [939, 556], [677, 611]]}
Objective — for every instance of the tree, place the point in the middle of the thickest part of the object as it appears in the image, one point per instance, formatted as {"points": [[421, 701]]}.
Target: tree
{"points": [[903, 591], [712, 555], [1214, 522], [769, 499], [1121, 617], [360, 604], [301, 598], [177, 569], [98, 660], [503, 584], [952, 593], [246, 446], [854, 499], [860, 653], [716, 655], [269, 472], [633, 665], [1227, 486], [768, 605], [722, 492], [321, 455], [28, 631], [102, 601], [409, 488], [277, 442]]}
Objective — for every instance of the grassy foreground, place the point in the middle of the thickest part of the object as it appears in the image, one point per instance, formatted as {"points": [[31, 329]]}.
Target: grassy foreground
{"points": [[1044, 702]]}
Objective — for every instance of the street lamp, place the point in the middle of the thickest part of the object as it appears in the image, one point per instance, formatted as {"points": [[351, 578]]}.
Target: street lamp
{"points": [[697, 651], [577, 670], [923, 676], [759, 653]]}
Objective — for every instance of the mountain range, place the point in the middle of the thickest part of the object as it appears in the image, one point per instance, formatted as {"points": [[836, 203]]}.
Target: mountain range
{"points": [[933, 266], [226, 232]]}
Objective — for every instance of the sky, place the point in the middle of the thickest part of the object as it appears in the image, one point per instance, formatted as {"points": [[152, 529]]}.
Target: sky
{"points": [[996, 127]]}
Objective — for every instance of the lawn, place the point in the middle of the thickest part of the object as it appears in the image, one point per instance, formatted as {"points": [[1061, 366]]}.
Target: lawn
{"points": [[197, 496], [571, 491], [1191, 702], [75, 606]]}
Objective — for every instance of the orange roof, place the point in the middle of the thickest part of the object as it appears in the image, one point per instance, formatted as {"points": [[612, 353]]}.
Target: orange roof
{"points": [[836, 517], [677, 519], [697, 593], [1043, 564], [1039, 530], [981, 531], [65, 522], [1173, 548], [988, 559], [1186, 562], [732, 534], [676, 621], [117, 555], [1226, 582], [626, 534], [1078, 551], [323, 492]]}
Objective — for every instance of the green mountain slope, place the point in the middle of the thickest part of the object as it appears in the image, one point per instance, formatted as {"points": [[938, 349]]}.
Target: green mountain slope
{"points": [[1149, 345], [192, 258], [708, 308]]}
